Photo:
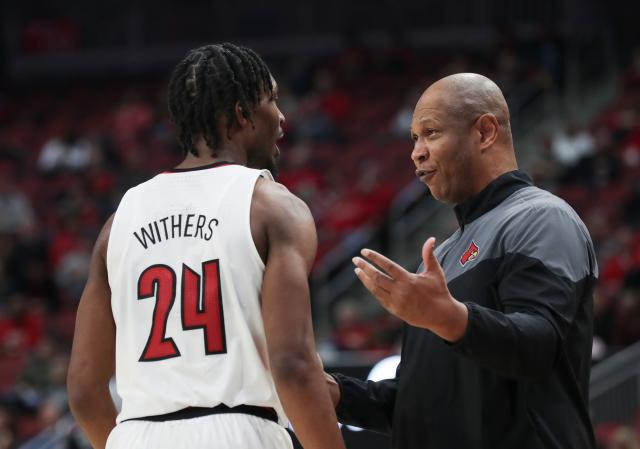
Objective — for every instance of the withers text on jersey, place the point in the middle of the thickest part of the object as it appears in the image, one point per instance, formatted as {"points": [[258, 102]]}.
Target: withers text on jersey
{"points": [[180, 225]]}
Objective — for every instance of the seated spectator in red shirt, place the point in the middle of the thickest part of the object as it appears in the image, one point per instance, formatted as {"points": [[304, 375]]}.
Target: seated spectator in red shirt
{"points": [[351, 332], [21, 326], [361, 204]]}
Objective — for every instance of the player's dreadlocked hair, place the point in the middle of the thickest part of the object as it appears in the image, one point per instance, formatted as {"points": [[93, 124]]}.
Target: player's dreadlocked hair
{"points": [[206, 85]]}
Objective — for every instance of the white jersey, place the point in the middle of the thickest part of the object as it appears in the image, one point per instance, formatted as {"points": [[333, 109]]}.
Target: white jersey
{"points": [[185, 280]]}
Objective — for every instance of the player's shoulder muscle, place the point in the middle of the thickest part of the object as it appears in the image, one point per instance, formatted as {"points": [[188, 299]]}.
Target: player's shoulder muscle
{"points": [[285, 217]]}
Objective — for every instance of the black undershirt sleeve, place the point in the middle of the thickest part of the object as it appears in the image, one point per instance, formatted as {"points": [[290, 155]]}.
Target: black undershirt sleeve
{"points": [[366, 404]]}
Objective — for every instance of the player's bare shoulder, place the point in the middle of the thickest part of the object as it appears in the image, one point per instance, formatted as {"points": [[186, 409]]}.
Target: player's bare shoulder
{"points": [[279, 215], [279, 201]]}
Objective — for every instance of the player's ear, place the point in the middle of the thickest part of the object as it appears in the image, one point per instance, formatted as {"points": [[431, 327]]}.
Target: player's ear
{"points": [[240, 115]]}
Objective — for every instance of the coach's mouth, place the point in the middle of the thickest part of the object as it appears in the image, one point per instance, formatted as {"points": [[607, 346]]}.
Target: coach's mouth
{"points": [[425, 175]]}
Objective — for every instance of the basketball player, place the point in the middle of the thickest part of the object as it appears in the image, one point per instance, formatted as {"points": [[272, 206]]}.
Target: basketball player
{"points": [[197, 295]]}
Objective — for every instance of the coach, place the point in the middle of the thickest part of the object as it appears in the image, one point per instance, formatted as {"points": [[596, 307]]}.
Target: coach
{"points": [[497, 343]]}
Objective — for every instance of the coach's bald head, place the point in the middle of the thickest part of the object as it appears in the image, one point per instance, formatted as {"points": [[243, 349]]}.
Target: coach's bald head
{"points": [[468, 96], [462, 136]]}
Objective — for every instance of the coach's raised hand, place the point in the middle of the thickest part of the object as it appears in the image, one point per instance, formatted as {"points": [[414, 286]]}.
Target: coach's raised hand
{"points": [[422, 299]]}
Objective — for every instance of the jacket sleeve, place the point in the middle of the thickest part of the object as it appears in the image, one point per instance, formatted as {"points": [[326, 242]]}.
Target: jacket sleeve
{"points": [[548, 269], [367, 404]]}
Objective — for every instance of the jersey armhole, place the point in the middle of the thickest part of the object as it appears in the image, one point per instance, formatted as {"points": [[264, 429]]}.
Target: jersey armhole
{"points": [[111, 241], [266, 175]]}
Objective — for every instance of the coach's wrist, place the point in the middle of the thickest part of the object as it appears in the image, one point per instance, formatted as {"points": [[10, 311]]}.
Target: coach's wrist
{"points": [[453, 326]]}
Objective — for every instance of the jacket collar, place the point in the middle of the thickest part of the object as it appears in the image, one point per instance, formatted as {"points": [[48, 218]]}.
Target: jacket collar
{"points": [[492, 195]]}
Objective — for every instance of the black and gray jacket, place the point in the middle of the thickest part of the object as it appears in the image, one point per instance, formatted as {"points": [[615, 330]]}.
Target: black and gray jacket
{"points": [[523, 263]]}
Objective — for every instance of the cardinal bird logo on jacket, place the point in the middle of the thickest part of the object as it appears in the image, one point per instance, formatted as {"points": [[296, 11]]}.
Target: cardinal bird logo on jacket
{"points": [[469, 254]]}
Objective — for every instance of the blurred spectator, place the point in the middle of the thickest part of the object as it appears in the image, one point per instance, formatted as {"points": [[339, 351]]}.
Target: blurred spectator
{"points": [[543, 167], [75, 203], [54, 427], [401, 123], [622, 255], [69, 152], [37, 375], [361, 203], [287, 102], [42, 382], [301, 176], [16, 214], [131, 118], [314, 123], [631, 144], [624, 438], [66, 239], [351, 331], [571, 144], [21, 326], [599, 227], [625, 120], [335, 102], [7, 429], [27, 267], [73, 269], [595, 170]]}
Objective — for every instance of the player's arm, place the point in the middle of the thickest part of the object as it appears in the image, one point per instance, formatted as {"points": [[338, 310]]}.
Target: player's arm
{"points": [[286, 311], [93, 354]]}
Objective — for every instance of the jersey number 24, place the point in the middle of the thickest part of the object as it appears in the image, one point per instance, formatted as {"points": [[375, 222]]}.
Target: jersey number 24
{"points": [[159, 281]]}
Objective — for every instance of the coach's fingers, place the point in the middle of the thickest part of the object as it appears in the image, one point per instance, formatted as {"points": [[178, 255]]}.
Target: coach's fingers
{"points": [[394, 270], [427, 254], [380, 293], [378, 277], [431, 264]]}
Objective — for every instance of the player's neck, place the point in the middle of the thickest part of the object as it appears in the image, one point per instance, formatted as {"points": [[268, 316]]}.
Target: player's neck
{"points": [[206, 157], [192, 161]]}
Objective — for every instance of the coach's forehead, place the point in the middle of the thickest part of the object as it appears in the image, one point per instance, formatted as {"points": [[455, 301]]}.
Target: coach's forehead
{"points": [[433, 105]]}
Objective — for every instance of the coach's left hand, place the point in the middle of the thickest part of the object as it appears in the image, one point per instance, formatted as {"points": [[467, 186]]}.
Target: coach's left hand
{"points": [[422, 299]]}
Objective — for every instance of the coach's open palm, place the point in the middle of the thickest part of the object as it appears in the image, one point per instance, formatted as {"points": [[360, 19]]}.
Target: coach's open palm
{"points": [[422, 299]]}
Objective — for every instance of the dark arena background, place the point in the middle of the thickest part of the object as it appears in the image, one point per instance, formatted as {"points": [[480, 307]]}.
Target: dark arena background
{"points": [[83, 118]]}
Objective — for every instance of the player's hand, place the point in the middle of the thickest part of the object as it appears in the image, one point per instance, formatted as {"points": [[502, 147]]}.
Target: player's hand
{"points": [[422, 299]]}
